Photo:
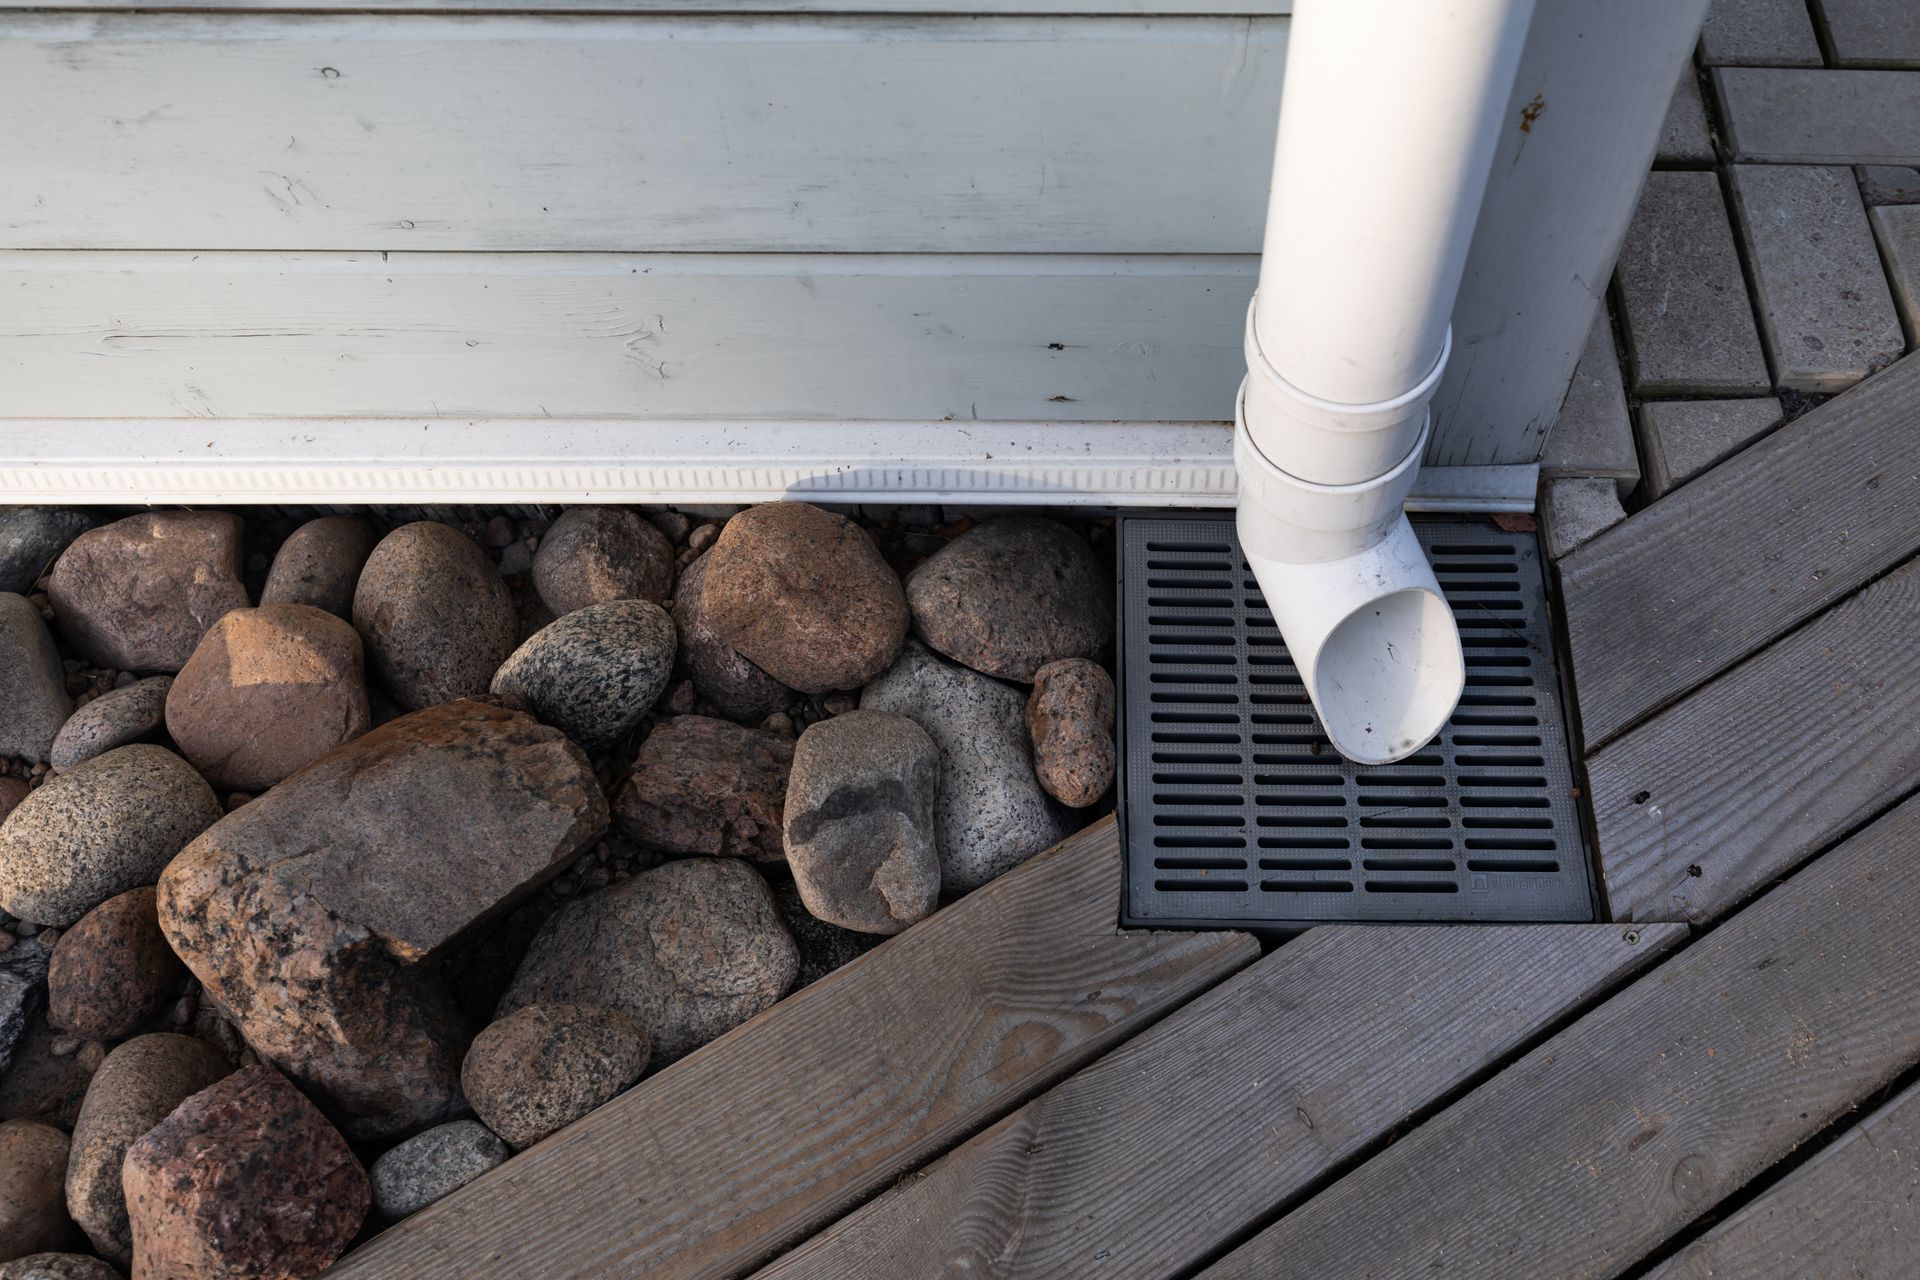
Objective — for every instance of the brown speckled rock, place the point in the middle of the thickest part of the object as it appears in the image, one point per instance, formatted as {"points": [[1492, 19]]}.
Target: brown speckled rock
{"points": [[1011, 595], [435, 615], [542, 1067], [268, 691], [319, 564], [860, 830], [805, 596], [34, 702], [58, 1266], [595, 554], [244, 1179], [33, 1210], [735, 687], [137, 1087], [112, 971], [1070, 718], [706, 786], [106, 827], [308, 912], [111, 720], [691, 949], [138, 594]]}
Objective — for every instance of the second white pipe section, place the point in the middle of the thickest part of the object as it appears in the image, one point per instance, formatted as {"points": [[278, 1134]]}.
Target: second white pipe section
{"points": [[1389, 114]]}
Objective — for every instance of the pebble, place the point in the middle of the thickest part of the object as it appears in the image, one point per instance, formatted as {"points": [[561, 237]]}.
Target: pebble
{"points": [[268, 691], [105, 827], [543, 1066], [861, 836], [137, 595], [245, 1178], [307, 914], [33, 1209], [137, 1086], [435, 615], [1012, 595], [805, 596], [433, 1165], [1070, 719], [33, 686], [319, 564], [32, 538], [736, 688], [991, 812], [58, 1266], [595, 554], [702, 538], [691, 949], [706, 786], [672, 525], [129, 713], [112, 972], [595, 673]]}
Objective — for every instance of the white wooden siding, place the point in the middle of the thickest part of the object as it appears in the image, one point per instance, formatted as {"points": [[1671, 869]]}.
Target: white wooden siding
{"points": [[884, 337], [1136, 8], [758, 134]]}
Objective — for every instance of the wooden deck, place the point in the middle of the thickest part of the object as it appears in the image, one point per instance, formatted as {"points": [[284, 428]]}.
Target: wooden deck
{"points": [[1724, 1080]]}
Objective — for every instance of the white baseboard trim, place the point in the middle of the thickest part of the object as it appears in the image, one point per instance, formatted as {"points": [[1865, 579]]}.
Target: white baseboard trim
{"points": [[313, 460]]}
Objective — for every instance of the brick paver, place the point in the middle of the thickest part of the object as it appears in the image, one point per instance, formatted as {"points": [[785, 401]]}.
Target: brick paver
{"points": [[1781, 116], [1759, 33], [1682, 438], [1873, 33]]}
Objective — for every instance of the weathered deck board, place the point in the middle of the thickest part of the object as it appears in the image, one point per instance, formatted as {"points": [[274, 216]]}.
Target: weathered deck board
{"points": [[1852, 1210], [1771, 762], [1709, 575], [1150, 1159], [1585, 1155], [741, 1149]]}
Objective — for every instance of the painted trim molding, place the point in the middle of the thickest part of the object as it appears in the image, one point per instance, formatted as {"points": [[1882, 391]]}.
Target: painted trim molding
{"points": [[314, 460]]}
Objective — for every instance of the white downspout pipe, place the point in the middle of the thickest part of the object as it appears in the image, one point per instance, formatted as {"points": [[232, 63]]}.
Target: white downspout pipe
{"points": [[1389, 114]]}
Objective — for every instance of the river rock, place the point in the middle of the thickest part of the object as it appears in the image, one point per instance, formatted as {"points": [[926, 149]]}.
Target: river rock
{"points": [[32, 538], [1070, 719], [33, 687], [319, 564], [58, 1266], [691, 949], [137, 595], [861, 835], [308, 913], [433, 1165], [23, 992], [595, 554], [12, 792], [435, 615], [113, 971], [706, 786], [111, 720], [40, 1084], [245, 1179], [105, 827], [804, 595], [137, 1087], [1011, 595], [268, 691], [595, 672], [543, 1066], [736, 688], [33, 1211], [991, 812]]}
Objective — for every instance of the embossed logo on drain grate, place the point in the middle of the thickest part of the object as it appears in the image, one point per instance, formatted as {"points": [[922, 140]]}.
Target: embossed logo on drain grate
{"points": [[1236, 809]]}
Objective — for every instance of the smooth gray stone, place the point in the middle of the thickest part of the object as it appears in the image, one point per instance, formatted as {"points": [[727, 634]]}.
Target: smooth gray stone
{"points": [[32, 538], [433, 1165], [1823, 302], [1780, 115], [1775, 33], [1688, 326], [34, 703], [1683, 438], [991, 812]]}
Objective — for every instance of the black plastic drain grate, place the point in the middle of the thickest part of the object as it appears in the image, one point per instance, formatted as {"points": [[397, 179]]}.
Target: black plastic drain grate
{"points": [[1236, 810]]}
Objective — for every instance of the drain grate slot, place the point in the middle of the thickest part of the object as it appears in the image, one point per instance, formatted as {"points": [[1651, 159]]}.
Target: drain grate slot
{"points": [[1237, 811]]}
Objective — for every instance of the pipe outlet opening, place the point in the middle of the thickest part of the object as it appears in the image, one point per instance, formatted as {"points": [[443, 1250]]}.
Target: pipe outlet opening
{"points": [[1388, 676]]}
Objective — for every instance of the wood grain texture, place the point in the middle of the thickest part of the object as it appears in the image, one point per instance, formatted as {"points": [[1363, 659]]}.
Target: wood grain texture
{"points": [[742, 1148], [893, 337], [1708, 575], [756, 133], [1151, 1158], [1581, 1158], [1773, 761], [1852, 1210]]}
